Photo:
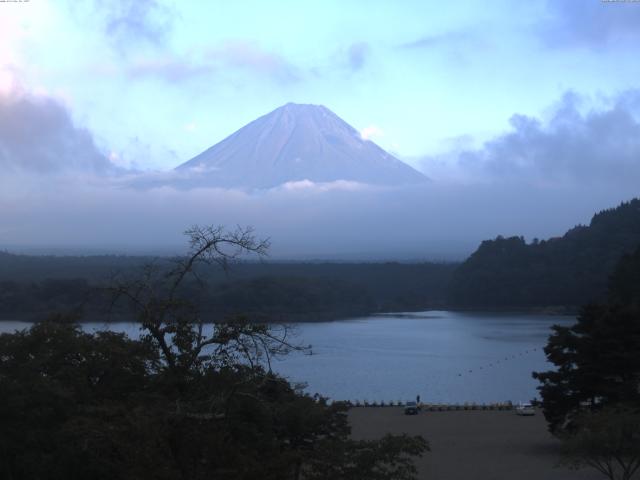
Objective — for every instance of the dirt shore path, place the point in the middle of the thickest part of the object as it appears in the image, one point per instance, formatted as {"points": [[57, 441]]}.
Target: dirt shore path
{"points": [[474, 445]]}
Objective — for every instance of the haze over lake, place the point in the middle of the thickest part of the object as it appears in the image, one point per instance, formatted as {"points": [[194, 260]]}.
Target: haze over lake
{"points": [[442, 356]]}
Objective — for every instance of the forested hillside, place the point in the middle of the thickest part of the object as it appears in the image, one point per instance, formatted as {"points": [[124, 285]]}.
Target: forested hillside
{"points": [[567, 271]]}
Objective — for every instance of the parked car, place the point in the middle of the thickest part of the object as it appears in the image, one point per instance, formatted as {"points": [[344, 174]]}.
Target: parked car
{"points": [[525, 409], [411, 408]]}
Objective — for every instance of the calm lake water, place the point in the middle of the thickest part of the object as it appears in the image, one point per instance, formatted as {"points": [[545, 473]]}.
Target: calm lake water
{"points": [[442, 356]]}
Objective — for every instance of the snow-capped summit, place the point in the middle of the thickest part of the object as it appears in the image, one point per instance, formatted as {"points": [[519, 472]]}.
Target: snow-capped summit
{"points": [[296, 142]]}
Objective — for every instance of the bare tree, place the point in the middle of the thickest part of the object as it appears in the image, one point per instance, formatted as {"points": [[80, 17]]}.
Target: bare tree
{"points": [[174, 324]]}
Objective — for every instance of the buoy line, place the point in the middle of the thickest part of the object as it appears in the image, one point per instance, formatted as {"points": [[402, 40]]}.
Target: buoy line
{"points": [[497, 362]]}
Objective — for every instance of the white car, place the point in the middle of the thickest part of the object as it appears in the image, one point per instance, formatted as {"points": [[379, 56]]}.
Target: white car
{"points": [[525, 409]]}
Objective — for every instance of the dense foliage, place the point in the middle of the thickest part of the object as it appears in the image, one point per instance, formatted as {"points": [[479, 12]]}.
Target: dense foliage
{"points": [[183, 402], [76, 405], [568, 271], [598, 358]]}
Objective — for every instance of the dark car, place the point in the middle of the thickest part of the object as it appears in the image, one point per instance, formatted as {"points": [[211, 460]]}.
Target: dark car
{"points": [[411, 408]]}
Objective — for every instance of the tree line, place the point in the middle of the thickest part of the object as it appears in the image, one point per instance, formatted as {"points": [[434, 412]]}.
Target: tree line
{"points": [[263, 290]]}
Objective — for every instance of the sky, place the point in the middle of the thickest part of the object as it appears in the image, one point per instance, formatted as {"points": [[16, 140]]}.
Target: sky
{"points": [[531, 105]]}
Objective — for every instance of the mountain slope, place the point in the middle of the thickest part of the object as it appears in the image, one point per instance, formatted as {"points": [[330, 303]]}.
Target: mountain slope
{"points": [[571, 270], [295, 143]]}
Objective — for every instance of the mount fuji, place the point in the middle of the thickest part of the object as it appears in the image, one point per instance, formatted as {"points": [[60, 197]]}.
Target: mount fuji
{"points": [[295, 143]]}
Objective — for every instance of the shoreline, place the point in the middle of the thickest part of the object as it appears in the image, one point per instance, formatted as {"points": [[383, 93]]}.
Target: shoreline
{"points": [[320, 317]]}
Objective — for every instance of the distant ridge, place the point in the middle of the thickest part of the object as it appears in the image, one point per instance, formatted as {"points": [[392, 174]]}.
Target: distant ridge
{"points": [[295, 143]]}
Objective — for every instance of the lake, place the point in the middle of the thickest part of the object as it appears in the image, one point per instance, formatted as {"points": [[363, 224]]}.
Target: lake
{"points": [[443, 356]]}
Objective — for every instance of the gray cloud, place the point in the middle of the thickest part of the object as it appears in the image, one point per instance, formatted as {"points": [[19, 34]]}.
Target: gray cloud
{"points": [[126, 20], [591, 23], [251, 57], [38, 135], [357, 55], [235, 55], [172, 69], [242, 56], [457, 48], [575, 145], [446, 39]]}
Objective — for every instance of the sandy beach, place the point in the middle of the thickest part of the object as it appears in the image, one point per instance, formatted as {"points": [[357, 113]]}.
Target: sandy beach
{"points": [[474, 445]]}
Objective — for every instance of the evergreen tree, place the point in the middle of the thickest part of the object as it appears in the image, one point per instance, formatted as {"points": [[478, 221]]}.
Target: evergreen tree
{"points": [[598, 358]]}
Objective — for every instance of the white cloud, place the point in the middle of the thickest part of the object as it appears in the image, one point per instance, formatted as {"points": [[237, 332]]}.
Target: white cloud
{"points": [[7, 83], [370, 132], [309, 186]]}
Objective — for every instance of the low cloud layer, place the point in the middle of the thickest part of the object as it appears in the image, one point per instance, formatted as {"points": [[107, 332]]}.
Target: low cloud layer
{"points": [[303, 220]]}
